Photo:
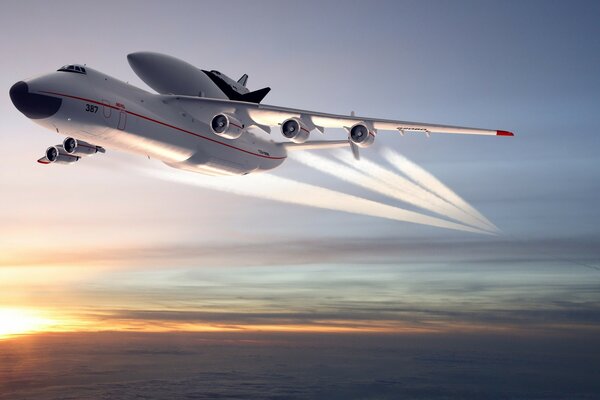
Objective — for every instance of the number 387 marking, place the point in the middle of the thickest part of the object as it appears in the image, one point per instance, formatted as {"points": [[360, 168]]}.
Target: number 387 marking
{"points": [[91, 108]]}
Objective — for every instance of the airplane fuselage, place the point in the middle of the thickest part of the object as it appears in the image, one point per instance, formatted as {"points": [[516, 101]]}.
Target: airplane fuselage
{"points": [[100, 109], [199, 120]]}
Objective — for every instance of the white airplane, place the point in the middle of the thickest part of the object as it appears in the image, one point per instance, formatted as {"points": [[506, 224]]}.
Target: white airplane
{"points": [[201, 121]]}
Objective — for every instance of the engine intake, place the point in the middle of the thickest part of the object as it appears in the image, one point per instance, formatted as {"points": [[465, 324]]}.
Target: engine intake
{"points": [[360, 135], [295, 130], [226, 126], [58, 155], [80, 148]]}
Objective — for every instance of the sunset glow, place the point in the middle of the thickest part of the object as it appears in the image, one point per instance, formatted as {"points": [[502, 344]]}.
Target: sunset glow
{"points": [[17, 321]]}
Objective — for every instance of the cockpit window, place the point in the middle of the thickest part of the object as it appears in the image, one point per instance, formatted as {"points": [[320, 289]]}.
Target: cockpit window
{"points": [[214, 71], [73, 68]]}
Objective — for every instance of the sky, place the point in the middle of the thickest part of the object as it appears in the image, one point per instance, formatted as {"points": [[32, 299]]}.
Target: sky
{"points": [[101, 246]]}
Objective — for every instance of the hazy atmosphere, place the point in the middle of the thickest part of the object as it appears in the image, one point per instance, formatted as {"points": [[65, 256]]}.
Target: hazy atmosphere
{"points": [[121, 277]]}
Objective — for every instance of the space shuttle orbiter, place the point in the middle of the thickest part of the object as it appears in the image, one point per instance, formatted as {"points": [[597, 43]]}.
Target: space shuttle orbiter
{"points": [[169, 75]]}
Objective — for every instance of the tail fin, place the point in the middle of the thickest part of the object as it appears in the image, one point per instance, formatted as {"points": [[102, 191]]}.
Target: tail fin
{"points": [[243, 80], [255, 97]]}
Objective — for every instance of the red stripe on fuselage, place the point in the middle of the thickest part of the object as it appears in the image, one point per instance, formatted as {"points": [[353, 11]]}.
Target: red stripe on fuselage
{"points": [[162, 123]]}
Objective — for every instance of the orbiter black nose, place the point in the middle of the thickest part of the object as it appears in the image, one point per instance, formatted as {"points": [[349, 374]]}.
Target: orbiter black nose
{"points": [[33, 105]]}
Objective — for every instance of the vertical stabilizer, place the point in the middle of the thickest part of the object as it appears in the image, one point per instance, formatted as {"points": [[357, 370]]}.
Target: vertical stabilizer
{"points": [[243, 80]]}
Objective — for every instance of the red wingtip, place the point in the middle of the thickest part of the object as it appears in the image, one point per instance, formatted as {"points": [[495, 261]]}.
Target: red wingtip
{"points": [[504, 133]]}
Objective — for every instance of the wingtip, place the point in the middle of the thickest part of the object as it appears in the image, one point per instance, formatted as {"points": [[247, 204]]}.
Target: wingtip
{"points": [[504, 133]]}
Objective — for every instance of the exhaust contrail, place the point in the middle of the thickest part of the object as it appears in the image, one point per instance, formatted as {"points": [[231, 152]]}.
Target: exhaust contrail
{"points": [[288, 191], [424, 198], [430, 182]]}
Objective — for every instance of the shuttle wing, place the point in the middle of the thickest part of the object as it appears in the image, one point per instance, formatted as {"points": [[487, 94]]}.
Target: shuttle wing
{"points": [[267, 115]]}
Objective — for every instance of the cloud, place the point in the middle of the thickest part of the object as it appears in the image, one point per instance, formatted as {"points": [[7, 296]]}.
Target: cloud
{"points": [[572, 252], [553, 316]]}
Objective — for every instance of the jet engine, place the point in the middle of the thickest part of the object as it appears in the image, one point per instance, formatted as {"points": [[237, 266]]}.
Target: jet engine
{"points": [[58, 155], [360, 135], [80, 148], [295, 130], [227, 126]]}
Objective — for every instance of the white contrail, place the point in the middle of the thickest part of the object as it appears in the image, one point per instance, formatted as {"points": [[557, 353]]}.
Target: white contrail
{"points": [[431, 183], [426, 201], [288, 191], [421, 196]]}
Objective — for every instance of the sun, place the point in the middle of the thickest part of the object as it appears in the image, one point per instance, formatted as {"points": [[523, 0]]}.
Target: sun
{"points": [[18, 321]]}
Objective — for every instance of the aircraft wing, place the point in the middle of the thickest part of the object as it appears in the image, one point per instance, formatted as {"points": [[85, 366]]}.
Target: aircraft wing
{"points": [[267, 115], [273, 115]]}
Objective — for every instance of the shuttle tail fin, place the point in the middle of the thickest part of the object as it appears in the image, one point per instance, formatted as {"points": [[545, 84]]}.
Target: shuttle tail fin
{"points": [[243, 80]]}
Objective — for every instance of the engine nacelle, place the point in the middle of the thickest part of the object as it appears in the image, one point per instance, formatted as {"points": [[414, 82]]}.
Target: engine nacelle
{"points": [[80, 148], [226, 126], [58, 155], [295, 130], [360, 135]]}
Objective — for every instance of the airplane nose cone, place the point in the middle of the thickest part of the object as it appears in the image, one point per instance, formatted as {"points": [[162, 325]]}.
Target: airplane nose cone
{"points": [[33, 105]]}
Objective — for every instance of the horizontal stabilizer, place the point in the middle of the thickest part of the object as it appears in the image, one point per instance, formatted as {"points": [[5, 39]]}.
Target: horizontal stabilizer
{"points": [[255, 97]]}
